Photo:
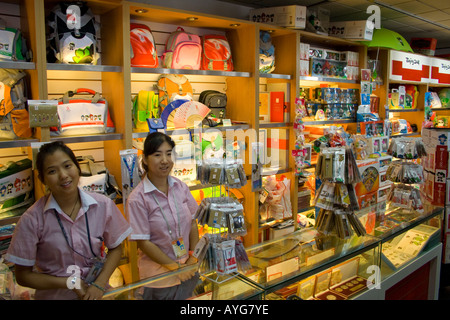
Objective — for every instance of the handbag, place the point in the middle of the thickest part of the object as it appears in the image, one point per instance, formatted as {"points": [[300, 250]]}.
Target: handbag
{"points": [[83, 115], [96, 178]]}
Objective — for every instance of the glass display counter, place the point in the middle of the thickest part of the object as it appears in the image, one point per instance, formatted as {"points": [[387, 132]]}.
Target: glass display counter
{"points": [[309, 265], [283, 261], [416, 236], [199, 288]]}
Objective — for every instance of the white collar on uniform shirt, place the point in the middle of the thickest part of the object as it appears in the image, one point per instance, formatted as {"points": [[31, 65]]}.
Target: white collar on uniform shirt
{"points": [[149, 187], [86, 202]]}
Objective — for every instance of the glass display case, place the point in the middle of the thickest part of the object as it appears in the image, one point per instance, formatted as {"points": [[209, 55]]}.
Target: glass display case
{"points": [[417, 236], [197, 288], [310, 265], [307, 264]]}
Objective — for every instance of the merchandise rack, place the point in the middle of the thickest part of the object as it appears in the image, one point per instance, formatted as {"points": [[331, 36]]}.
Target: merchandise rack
{"points": [[114, 79]]}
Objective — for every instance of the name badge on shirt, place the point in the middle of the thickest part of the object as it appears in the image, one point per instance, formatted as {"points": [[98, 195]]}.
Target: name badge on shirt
{"points": [[178, 248], [95, 270]]}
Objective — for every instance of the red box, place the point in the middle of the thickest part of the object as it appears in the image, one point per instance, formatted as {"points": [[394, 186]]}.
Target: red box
{"points": [[434, 189], [277, 106], [441, 158]]}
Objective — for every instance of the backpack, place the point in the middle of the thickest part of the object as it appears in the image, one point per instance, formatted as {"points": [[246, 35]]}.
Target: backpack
{"points": [[266, 53], [216, 101], [82, 115], [143, 49], [173, 87], [14, 46], [14, 117], [183, 50], [145, 105], [216, 54], [72, 34]]}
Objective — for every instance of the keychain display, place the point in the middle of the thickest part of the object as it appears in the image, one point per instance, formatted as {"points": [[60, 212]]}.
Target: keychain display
{"points": [[336, 196], [300, 152], [407, 197], [331, 195], [404, 172], [222, 212], [337, 165], [222, 171], [407, 148], [343, 223], [221, 255]]}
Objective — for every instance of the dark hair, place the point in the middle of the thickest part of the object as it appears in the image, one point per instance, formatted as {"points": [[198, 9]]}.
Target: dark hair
{"points": [[152, 143], [50, 148]]}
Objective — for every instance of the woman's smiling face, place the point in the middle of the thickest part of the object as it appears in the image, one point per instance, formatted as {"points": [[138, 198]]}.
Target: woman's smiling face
{"points": [[160, 163], [60, 174]]}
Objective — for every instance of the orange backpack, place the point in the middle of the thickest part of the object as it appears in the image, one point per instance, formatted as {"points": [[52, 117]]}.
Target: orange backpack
{"points": [[14, 118], [173, 87], [216, 53]]}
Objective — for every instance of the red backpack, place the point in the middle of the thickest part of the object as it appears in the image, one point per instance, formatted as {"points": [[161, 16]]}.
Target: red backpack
{"points": [[143, 49], [216, 53]]}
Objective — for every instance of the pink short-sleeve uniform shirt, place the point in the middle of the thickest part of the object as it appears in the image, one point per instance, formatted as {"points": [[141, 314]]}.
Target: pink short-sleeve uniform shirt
{"points": [[39, 241], [148, 223]]}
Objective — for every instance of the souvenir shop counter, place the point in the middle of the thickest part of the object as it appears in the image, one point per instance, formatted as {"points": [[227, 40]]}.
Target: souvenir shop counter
{"points": [[309, 265]]}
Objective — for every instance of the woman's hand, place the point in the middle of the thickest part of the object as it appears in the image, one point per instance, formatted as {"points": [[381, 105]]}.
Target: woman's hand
{"points": [[191, 260], [88, 292], [93, 293]]}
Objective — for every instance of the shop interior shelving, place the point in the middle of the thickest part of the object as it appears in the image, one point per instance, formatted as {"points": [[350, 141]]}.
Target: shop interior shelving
{"points": [[119, 82]]}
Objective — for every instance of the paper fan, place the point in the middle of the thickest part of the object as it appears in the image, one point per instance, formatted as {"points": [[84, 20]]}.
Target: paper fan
{"points": [[186, 115], [169, 108]]}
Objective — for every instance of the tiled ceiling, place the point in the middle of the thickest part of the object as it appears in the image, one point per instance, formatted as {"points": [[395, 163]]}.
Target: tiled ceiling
{"points": [[410, 18]]}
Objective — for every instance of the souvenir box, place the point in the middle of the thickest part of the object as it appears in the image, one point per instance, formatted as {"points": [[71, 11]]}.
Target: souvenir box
{"points": [[284, 16], [351, 30]]}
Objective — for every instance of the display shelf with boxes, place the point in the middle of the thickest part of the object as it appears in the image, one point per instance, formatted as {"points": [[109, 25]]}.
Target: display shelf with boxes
{"points": [[403, 83]]}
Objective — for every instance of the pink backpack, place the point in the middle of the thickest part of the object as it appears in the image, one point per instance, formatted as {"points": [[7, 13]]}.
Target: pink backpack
{"points": [[183, 50]]}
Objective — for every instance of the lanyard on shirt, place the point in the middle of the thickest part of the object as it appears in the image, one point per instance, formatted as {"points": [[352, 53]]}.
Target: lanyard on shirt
{"points": [[67, 238], [165, 219]]}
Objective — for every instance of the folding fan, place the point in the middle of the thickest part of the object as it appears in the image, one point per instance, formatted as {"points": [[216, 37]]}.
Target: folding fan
{"points": [[185, 115], [169, 108]]}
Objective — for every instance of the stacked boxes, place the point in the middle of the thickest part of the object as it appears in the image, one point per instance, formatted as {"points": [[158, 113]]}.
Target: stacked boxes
{"points": [[436, 165], [337, 64], [284, 16], [436, 175], [351, 30], [304, 59]]}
